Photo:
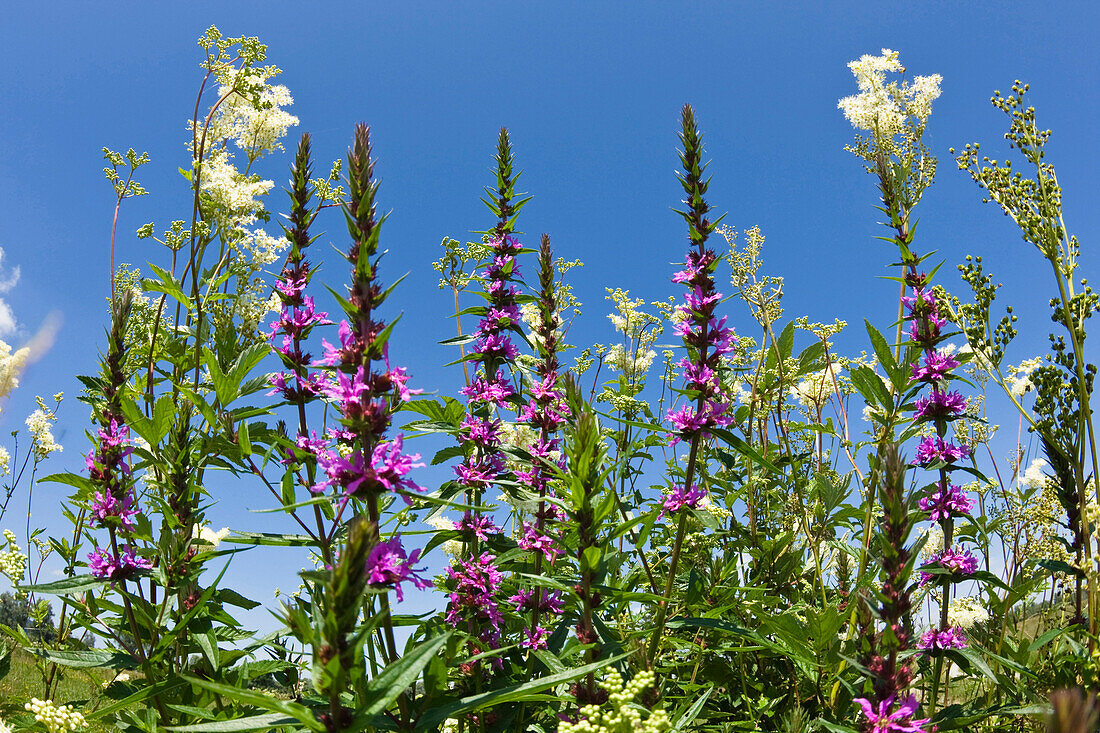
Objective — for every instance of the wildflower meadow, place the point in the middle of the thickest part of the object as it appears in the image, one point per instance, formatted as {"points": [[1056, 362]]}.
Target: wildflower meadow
{"points": [[722, 518]]}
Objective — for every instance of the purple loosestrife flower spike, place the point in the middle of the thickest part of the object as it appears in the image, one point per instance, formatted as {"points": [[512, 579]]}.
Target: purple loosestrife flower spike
{"points": [[476, 578], [706, 338]]}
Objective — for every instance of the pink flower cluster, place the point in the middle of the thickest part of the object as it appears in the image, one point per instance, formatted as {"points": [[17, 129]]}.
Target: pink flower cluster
{"points": [[680, 498], [947, 500], [477, 579], [958, 561], [884, 719], [548, 602], [933, 640], [104, 564], [475, 583], [707, 340], [388, 567], [352, 476], [932, 450], [296, 320], [114, 505]]}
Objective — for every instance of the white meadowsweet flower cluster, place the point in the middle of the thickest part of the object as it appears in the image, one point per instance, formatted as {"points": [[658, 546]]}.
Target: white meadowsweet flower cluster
{"points": [[934, 544], [13, 561], [881, 106], [56, 718], [40, 424], [632, 356], [624, 716], [1034, 477], [1018, 382], [4, 727], [230, 190], [11, 366], [258, 124], [814, 390], [121, 678], [205, 534], [966, 612], [452, 548], [5, 462]]}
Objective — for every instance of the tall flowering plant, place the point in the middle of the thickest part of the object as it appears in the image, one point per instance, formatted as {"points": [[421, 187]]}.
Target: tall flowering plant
{"points": [[895, 117], [356, 466], [475, 580], [707, 340]]}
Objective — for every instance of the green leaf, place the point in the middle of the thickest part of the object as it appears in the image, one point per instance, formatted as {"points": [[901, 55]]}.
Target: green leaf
{"points": [[267, 721], [72, 479], [1037, 644], [167, 284], [870, 385], [883, 352], [397, 677], [432, 718], [690, 713], [273, 539], [298, 712], [67, 585], [88, 659], [969, 656]]}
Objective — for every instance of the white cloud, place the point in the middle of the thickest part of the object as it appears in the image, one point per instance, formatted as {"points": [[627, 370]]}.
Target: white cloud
{"points": [[7, 282]]}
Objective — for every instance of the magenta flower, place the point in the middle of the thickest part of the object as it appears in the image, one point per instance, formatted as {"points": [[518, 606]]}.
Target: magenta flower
{"points": [[347, 353], [535, 638], [296, 321], [945, 502], [478, 525], [106, 505], [485, 433], [105, 565], [525, 600], [935, 368], [349, 388], [391, 466], [933, 640], [497, 346], [388, 567], [496, 391], [940, 405], [473, 598], [899, 721], [680, 498], [532, 540], [958, 561], [307, 385], [479, 473], [933, 450]]}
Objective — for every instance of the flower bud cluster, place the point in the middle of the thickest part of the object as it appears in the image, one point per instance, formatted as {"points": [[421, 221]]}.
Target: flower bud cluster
{"points": [[56, 718], [622, 716], [13, 561]]}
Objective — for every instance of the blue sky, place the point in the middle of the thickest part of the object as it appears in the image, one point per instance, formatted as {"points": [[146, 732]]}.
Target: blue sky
{"points": [[591, 93]]}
